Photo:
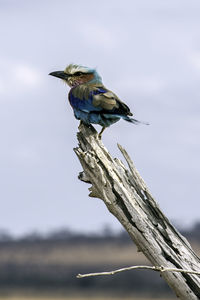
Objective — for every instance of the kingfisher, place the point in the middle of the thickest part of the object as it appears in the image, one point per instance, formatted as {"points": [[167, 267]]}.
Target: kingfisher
{"points": [[91, 101]]}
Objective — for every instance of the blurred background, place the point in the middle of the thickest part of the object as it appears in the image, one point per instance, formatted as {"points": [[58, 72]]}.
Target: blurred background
{"points": [[148, 53]]}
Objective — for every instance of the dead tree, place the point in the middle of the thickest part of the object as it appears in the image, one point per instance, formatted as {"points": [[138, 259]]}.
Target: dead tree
{"points": [[127, 197]]}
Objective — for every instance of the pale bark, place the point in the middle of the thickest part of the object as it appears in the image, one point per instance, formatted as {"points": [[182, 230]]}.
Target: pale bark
{"points": [[127, 197]]}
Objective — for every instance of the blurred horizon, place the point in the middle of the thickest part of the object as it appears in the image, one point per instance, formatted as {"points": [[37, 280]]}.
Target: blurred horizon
{"points": [[66, 232]]}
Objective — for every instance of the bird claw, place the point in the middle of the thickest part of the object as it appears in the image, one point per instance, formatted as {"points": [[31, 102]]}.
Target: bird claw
{"points": [[100, 133]]}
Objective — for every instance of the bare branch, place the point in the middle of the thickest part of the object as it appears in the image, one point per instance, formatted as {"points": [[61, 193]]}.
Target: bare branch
{"points": [[160, 269]]}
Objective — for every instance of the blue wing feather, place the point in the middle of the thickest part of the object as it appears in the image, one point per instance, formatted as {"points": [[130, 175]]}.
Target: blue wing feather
{"points": [[85, 105], [104, 111]]}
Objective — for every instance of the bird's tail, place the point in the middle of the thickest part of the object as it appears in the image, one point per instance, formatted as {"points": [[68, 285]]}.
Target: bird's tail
{"points": [[134, 121]]}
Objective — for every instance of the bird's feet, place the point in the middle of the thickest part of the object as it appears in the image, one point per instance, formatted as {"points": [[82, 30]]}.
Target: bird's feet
{"points": [[100, 133]]}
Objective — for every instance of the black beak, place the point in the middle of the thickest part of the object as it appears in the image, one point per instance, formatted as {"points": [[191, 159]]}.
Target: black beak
{"points": [[59, 74]]}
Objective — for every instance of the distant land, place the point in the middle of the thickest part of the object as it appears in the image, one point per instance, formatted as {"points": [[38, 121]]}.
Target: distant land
{"points": [[38, 263]]}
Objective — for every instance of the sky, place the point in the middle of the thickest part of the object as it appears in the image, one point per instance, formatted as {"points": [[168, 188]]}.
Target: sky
{"points": [[148, 53]]}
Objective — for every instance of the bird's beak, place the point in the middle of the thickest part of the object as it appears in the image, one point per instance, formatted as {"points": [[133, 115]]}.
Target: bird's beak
{"points": [[59, 74]]}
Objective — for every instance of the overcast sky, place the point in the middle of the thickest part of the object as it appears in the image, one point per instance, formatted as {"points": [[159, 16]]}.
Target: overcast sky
{"points": [[148, 53]]}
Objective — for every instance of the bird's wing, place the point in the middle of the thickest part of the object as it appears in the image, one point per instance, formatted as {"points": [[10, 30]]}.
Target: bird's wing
{"points": [[109, 103], [81, 98], [97, 99]]}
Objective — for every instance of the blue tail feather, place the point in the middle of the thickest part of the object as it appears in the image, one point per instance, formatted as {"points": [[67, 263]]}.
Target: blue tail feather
{"points": [[134, 121]]}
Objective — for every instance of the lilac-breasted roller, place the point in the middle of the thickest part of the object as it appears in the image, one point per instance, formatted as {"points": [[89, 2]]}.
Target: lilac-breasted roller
{"points": [[91, 101]]}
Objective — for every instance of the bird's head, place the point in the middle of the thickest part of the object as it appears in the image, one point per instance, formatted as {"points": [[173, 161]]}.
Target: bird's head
{"points": [[75, 75]]}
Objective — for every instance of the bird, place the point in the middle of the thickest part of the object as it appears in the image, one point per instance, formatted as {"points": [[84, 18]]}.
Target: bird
{"points": [[91, 101]]}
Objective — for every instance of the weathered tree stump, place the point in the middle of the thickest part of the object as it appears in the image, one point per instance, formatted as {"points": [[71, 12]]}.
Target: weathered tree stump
{"points": [[127, 197]]}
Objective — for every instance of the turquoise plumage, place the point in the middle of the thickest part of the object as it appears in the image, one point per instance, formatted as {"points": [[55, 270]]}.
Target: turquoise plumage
{"points": [[91, 101]]}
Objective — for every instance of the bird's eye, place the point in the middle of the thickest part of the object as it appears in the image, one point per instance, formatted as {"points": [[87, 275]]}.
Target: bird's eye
{"points": [[78, 73]]}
